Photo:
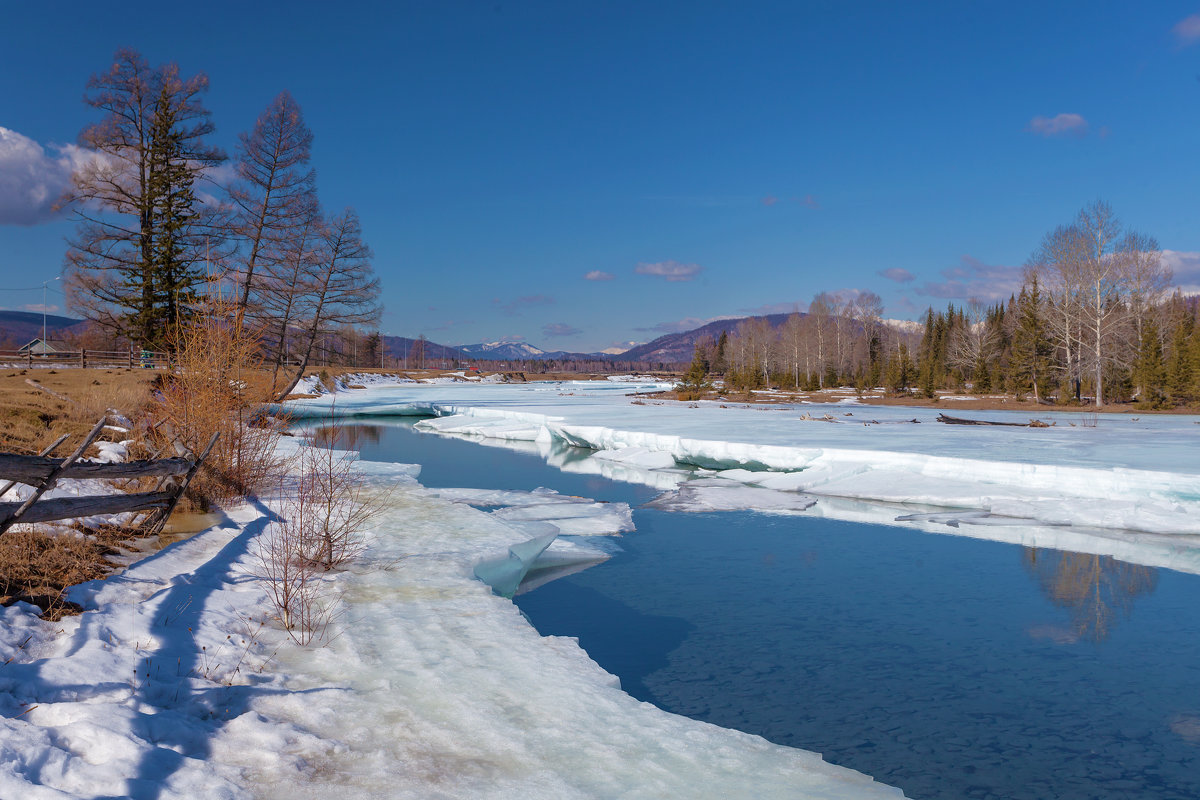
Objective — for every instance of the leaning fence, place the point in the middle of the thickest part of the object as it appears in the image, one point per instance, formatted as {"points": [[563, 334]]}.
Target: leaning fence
{"points": [[42, 473]]}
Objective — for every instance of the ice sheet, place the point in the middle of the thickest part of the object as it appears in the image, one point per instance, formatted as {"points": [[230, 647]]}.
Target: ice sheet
{"points": [[1111, 471]]}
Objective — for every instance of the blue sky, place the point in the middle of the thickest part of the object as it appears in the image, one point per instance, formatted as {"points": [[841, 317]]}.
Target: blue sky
{"points": [[701, 159]]}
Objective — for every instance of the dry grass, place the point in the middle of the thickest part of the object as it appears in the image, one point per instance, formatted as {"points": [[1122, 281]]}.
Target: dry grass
{"points": [[36, 566], [30, 418]]}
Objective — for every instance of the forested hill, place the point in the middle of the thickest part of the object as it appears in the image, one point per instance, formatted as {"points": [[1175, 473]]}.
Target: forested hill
{"points": [[677, 348]]}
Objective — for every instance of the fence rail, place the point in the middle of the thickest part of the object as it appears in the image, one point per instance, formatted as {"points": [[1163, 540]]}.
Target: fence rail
{"points": [[87, 358], [42, 472]]}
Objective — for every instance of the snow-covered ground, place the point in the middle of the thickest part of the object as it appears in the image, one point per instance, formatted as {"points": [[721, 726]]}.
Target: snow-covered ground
{"points": [[431, 686]]}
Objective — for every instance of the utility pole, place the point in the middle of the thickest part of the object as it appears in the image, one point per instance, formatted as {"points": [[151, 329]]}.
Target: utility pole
{"points": [[44, 284]]}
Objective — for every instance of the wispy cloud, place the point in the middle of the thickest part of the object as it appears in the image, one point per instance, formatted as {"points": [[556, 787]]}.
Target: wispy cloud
{"points": [[38, 308], [514, 307], [807, 201], [599, 275], [1187, 30], [560, 329], [685, 324], [974, 279], [1073, 125], [896, 274], [32, 179], [670, 270], [775, 308]]}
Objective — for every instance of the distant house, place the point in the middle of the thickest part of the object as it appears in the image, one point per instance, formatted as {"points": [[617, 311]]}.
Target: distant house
{"points": [[38, 347]]}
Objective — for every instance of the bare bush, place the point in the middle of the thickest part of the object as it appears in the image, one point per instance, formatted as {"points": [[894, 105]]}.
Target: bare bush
{"points": [[325, 510], [341, 508]]}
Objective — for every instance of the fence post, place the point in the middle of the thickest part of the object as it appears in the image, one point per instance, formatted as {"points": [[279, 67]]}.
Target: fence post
{"points": [[82, 358], [131, 356]]}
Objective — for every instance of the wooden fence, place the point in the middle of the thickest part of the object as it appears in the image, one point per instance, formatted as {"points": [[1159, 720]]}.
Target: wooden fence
{"points": [[42, 472], [87, 358]]}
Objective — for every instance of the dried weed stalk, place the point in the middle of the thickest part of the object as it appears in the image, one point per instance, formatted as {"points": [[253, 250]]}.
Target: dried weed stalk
{"points": [[214, 389]]}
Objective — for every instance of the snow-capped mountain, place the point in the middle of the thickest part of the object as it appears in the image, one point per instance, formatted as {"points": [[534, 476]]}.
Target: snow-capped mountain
{"points": [[502, 351]]}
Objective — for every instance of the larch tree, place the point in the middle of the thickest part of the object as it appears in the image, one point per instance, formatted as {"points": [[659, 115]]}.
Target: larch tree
{"points": [[273, 197], [135, 247], [341, 290]]}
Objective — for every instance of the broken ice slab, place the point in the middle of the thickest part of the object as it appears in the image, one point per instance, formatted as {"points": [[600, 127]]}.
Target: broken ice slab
{"points": [[956, 518], [718, 494], [545, 510], [504, 574]]}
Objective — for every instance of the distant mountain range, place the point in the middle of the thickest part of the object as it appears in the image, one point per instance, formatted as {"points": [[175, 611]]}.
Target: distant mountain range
{"points": [[19, 327], [22, 327]]}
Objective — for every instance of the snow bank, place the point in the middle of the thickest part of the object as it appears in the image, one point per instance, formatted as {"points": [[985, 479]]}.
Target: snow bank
{"points": [[1120, 472]]}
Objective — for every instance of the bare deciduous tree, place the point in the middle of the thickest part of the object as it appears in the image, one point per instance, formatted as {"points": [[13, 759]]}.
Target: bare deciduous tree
{"points": [[341, 289], [275, 196]]}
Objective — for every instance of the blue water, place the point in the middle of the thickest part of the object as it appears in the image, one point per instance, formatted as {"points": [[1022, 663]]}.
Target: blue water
{"points": [[947, 666]]}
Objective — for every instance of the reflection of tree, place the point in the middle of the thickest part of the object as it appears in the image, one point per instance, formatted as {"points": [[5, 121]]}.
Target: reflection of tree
{"points": [[347, 437], [1093, 588]]}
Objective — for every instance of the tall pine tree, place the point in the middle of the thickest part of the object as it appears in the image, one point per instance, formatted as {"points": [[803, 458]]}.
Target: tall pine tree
{"points": [[1030, 362]]}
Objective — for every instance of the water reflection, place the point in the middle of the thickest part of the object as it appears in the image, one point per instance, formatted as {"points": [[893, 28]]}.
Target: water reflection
{"points": [[1095, 589], [347, 437]]}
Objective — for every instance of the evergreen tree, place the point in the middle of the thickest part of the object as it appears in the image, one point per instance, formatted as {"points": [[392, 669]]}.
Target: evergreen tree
{"points": [[1031, 349], [720, 363], [1149, 372], [174, 273], [129, 264], [696, 377], [1180, 377]]}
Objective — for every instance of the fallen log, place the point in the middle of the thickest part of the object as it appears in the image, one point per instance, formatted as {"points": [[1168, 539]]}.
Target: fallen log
{"points": [[1033, 423], [32, 470], [69, 507]]}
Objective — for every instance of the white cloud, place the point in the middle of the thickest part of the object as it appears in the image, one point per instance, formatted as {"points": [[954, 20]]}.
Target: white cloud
{"points": [[1060, 125], [31, 179], [896, 274], [671, 270], [1185, 266], [599, 275], [38, 308], [1187, 30]]}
